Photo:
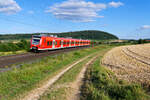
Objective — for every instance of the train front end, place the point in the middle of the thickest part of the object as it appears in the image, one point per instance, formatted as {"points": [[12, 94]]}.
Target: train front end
{"points": [[35, 43]]}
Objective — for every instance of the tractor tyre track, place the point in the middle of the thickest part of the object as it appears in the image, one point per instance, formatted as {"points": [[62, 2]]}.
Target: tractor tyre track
{"points": [[136, 56], [79, 81], [128, 65]]}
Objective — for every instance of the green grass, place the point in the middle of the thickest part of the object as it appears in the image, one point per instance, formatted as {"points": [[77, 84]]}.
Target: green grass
{"points": [[101, 84], [60, 90], [18, 81], [12, 53]]}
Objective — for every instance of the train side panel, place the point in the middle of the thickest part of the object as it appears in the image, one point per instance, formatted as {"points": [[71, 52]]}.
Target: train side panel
{"points": [[50, 43]]}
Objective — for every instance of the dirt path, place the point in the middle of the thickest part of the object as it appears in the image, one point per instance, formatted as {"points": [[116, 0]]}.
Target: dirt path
{"points": [[36, 93], [75, 95]]}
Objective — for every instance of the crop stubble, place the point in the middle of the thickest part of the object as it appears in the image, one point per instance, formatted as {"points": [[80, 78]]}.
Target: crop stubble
{"points": [[131, 63]]}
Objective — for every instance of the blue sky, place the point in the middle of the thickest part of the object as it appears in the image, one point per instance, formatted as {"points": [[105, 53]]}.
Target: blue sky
{"points": [[127, 19]]}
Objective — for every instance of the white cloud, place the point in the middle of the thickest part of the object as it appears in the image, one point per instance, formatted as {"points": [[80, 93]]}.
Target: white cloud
{"points": [[9, 6], [115, 4], [31, 12], [145, 27], [77, 10]]}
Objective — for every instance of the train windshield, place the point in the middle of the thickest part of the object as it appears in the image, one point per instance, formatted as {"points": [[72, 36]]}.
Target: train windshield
{"points": [[35, 41]]}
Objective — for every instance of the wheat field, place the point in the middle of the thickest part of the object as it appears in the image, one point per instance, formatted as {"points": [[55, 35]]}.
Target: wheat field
{"points": [[130, 63]]}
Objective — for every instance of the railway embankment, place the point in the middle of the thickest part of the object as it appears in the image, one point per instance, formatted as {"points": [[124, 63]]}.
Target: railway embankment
{"points": [[9, 62]]}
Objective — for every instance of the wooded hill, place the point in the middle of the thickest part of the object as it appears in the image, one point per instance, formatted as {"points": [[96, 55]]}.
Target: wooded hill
{"points": [[88, 34]]}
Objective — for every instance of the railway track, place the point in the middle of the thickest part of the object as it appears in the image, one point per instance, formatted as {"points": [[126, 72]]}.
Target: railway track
{"points": [[28, 57]]}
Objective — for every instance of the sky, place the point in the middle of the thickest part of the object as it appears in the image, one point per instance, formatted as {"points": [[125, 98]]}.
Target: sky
{"points": [[127, 19]]}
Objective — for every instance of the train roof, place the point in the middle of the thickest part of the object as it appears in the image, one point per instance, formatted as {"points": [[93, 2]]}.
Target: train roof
{"points": [[40, 36]]}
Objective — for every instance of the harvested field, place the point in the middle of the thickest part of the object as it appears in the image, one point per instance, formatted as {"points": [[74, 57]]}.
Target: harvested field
{"points": [[131, 63]]}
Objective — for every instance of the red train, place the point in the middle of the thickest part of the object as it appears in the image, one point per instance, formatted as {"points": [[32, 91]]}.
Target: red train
{"points": [[39, 42]]}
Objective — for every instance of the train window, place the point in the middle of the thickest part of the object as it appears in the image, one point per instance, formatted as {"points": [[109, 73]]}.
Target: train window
{"points": [[50, 43], [72, 42], [64, 42], [35, 41]]}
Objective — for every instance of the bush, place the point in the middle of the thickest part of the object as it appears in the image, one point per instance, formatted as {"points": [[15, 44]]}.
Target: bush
{"points": [[22, 45]]}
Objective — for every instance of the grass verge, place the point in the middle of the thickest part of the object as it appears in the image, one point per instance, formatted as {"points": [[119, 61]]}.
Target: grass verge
{"points": [[12, 53], [101, 84], [18, 81]]}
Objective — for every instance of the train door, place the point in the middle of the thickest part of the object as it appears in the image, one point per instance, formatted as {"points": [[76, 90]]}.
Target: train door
{"points": [[79, 42], [53, 45], [72, 43], [59, 43], [44, 43], [49, 44], [69, 43], [62, 41], [56, 44]]}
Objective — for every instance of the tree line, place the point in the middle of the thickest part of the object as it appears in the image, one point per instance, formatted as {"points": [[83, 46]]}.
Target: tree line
{"points": [[88, 34]]}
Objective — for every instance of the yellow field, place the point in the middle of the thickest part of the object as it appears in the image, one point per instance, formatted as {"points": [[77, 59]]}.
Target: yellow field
{"points": [[131, 63]]}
